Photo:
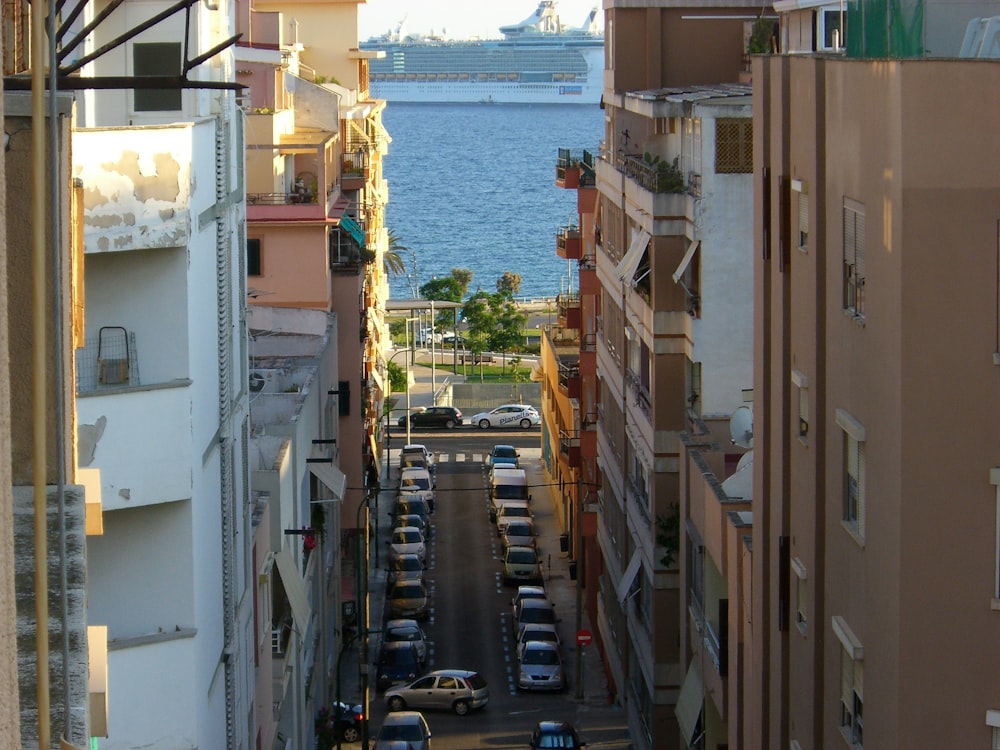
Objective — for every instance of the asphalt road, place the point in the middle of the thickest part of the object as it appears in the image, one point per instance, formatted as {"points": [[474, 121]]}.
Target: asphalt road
{"points": [[470, 623]]}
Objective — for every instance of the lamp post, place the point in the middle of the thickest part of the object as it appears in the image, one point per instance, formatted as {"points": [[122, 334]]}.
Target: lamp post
{"points": [[388, 413], [408, 376]]}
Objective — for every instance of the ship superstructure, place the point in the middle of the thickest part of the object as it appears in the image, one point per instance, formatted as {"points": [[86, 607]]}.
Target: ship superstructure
{"points": [[537, 61]]}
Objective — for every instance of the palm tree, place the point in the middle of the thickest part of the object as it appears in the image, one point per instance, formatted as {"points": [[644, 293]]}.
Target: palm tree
{"points": [[391, 258]]}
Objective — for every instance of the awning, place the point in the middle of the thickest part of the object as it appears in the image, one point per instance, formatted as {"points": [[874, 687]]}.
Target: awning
{"points": [[626, 269], [353, 228], [332, 477], [686, 260], [689, 705], [295, 590], [629, 576]]}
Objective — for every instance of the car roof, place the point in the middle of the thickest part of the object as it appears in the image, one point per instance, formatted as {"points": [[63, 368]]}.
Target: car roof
{"points": [[541, 645], [414, 447], [536, 626], [450, 673], [402, 622], [406, 528], [403, 717], [412, 470], [524, 589], [398, 645], [534, 603], [503, 446]]}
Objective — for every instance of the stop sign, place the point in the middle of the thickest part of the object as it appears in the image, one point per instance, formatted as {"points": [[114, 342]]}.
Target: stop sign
{"points": [[584, 637]]}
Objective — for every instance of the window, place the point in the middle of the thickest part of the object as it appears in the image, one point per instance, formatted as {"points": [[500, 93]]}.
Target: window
{"points": [[734, 145], [851, 683], [829, 36], [801, 382], [801, 595], [156, 59], [854, 474], [854, 258], [995, 481], [253, 257], [798, 186]]}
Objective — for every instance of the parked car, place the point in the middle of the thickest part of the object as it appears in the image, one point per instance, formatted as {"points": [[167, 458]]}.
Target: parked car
{"points": [[508, 415], [509, 510], [412, 504], [417, 520], [518, 532], [407, 540], [404, 729], [409, 599], [555, 734], [433, 416], [398, 662], [541, 667], [533, 612], [521, 564], [450, 339], [416, 449], [457, 690], [341, 721], [414, 479], [536, 632], [503, 455], [407, 630], [405, 567], [526, 592], [414, 461]]}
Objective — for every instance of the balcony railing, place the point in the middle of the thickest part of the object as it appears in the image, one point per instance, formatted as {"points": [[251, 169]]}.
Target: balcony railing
{"points": [[657, 176], [569, 244]]}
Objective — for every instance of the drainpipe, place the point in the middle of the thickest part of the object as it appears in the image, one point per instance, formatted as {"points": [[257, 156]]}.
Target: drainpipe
{"points": [[39, 382]]}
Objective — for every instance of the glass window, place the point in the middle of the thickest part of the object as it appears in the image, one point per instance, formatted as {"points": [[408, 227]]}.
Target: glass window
{"points": [[156, 59]]}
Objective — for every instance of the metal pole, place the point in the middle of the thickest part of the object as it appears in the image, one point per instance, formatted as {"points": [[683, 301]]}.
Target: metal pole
{"points": [[433, 356], [577, 551], [363, 618], [408, 382]]}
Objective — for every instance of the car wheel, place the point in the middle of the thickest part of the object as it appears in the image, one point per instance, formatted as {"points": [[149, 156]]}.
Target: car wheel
{"points": [[525, 423], [351, 734], [484, 424], [461, 707], [395, 703], [450, 424]]}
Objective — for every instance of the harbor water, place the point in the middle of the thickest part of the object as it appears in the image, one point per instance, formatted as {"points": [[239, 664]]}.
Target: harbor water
{"points": [[473, 186]]}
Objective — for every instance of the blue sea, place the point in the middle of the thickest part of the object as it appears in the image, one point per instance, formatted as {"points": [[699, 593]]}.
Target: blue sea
{"points": [[473, 186]]}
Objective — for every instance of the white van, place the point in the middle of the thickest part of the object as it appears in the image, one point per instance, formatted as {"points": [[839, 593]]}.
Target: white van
{"points": [[508, 484]]}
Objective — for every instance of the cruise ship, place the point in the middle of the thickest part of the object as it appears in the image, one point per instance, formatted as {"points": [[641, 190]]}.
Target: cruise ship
{"points": [[538, 61]]}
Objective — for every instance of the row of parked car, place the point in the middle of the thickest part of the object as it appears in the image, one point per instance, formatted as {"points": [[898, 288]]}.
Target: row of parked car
{"points": [[403, 657], [521, 416]]}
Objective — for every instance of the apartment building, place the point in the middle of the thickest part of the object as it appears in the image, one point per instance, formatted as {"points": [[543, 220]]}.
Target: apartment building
{"points": [[316, 200], [673, 329], [875, 532], [569, 386], [162, 403], [296, 488]]}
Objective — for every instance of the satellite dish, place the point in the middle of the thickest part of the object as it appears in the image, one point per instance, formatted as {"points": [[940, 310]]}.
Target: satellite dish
{"points": [[739, 486], [741, 427], [745, 460]]}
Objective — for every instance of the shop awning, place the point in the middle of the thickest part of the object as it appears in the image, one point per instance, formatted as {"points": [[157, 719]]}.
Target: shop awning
{"points": [[626, 269], [295, 590], [689, 705], [332, 477]]}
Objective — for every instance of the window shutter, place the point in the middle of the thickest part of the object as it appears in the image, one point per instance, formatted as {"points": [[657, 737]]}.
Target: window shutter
{"points": [[849, 237], [859, 678], [846, 680], [859, 243], [861, 487]]}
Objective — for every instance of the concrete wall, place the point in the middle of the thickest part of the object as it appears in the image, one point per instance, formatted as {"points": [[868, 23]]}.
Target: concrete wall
{"points": [[472, 398]]}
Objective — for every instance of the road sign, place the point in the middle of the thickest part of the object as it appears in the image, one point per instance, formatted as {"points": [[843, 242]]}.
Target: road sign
{"points": [[584, 637]]}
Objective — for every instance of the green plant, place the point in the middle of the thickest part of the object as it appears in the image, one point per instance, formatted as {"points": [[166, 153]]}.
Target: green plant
{"points": [[669, 177], [760, 37], [263, 111], [668, 535]]}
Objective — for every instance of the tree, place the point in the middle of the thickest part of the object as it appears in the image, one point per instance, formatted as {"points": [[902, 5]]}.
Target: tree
{"points": [[509, 282], [494, 321], [392, 259], [464, 277], [447, 289]]}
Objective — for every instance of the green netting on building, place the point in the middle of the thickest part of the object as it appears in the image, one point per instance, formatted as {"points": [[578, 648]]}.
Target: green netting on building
{"points": [[885, 28]]}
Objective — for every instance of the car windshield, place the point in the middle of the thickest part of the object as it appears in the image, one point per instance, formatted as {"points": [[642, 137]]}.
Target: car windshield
{"points": [[519, 528], [407, 564], [404, 732], [509, 491], [403, 634], [504, 452], [521, 556], [510, 511], [406, 537], [543, 656], [561, 740], [407, 591], [538, 635], [538, 615], [415, 483]]}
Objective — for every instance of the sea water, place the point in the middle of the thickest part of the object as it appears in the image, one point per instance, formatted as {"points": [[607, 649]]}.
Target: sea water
{"points": [[473, 186]]}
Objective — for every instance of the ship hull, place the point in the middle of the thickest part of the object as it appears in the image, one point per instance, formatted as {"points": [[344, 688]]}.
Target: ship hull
{"points": [[588, 92]]}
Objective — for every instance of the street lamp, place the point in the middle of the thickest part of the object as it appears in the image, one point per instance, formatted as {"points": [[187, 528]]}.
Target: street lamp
{"points": [[388, 412]]}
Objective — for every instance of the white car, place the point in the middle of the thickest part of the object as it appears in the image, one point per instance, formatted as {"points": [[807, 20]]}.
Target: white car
{"points": [[416, 449], [508, 415], [407, 540]]}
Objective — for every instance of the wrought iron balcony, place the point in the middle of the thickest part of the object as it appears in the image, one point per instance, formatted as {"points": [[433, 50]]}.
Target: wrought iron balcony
{"points": [[569, 244]]}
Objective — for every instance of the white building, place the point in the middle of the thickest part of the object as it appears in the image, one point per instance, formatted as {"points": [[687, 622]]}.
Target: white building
{"points": [[162, 403]]}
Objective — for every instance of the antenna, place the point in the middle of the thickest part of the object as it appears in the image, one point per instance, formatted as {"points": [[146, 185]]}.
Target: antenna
{"points": [[741, 427]]}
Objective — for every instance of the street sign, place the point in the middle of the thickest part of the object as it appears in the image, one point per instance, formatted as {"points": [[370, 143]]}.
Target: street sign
{"points": [[584, 637]]}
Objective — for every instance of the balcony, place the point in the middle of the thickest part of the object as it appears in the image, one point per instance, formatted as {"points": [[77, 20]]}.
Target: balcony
{"points": [[569, 379], [575, 169], [569, 448], [568, 307], [569, 244]]}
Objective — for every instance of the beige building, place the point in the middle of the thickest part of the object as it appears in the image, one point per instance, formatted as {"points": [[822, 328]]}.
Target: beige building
{"points": [[877, 481], [673, 326]]}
